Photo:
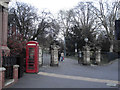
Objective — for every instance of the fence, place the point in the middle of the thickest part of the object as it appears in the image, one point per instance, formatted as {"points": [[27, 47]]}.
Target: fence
{"points": [[109, 56], [20, 60], [8, 62], [105, 56]]}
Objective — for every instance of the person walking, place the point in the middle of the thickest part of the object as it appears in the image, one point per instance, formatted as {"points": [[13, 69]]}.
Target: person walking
{"points": [[59, 55], [62, 57]]}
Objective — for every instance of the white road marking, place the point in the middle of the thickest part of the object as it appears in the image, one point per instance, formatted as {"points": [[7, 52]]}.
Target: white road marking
{"points": [[79, 78]]}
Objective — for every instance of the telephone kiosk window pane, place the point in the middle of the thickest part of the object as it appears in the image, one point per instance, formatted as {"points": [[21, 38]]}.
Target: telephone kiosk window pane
{"points": [[31, 58], [31, 53], [31, 66]]}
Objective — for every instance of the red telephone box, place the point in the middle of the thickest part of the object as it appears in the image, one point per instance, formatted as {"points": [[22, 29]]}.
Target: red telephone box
{"points": [[32, 56]]}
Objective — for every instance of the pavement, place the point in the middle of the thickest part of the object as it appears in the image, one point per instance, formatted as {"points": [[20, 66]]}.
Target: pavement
{"points": [[70, 74]]}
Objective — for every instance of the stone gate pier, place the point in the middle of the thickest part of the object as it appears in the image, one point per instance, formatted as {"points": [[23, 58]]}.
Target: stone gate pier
{"points": [[40, 56], [90, 56], [86, 55], [54, 55], [98, 55], [4, 25]]}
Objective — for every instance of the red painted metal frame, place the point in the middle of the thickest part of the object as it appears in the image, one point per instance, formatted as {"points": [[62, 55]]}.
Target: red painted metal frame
{"points": [[36, 58]]}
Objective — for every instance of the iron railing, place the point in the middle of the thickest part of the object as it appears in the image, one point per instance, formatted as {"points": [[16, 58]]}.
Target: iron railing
{"points": [[8, 62]]}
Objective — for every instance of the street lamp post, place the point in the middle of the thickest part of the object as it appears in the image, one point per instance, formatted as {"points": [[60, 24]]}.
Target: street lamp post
{"points": [[86, 57], [86, 40], [75, 48]]}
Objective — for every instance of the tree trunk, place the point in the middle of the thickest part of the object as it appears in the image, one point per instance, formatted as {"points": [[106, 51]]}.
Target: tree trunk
{"points": [[64, 46], [111, 46]]}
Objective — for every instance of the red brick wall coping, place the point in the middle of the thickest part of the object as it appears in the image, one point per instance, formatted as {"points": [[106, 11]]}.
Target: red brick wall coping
{"points": [[15, 66]]}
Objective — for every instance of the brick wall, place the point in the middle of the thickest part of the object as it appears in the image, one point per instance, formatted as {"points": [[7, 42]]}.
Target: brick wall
{"points": [[15, 72], [2, 75]]}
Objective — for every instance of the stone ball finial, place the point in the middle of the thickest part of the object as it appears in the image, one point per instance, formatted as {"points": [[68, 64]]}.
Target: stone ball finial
{"points": [[4, 3]]}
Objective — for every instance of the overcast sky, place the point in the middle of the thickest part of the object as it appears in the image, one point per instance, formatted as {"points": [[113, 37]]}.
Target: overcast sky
{"points": [[53, 5]]}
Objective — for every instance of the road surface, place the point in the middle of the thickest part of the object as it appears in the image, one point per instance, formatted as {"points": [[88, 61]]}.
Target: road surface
{"points": [[70, 74]]}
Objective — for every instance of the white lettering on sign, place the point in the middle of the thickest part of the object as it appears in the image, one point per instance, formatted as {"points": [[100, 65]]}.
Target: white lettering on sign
{"points": [[32, 44]]}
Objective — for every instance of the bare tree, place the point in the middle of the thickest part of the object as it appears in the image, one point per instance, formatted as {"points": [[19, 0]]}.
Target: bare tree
{"points": [[81, 17], [65, 23], [107, 14], [85, 19], [23, 16], [30, 24], [48, 26], [118, 11]]}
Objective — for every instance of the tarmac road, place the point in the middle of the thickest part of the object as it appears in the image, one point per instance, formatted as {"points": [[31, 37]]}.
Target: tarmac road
{"points": [[70, 74]]}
